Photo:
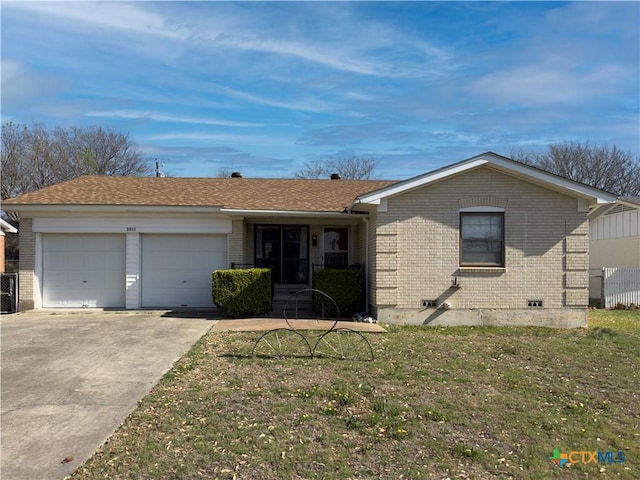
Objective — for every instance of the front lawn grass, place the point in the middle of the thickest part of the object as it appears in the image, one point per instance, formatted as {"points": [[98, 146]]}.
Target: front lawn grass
{"points": [[467, 402]]}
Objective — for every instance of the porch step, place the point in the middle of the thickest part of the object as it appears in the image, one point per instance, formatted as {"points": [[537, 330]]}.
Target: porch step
{"points": [[286, 291], [300, 306], [278, 312]]}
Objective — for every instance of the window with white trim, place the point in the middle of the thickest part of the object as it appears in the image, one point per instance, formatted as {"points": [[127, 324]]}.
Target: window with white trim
{"points": [[482, 239]]}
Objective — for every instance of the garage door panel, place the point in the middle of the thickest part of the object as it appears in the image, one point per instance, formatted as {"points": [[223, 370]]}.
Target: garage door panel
{"points": [[107, 260], [176, 269], [111, 277], [78, 261], [63, 297], [169, 297], [83, 270]]}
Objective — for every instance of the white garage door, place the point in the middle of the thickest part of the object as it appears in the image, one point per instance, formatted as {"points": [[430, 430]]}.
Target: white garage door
{"points": [[176, 269], [83, 271]]}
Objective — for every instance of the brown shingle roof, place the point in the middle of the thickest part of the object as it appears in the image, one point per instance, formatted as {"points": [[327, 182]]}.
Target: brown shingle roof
{"points": [[234, 193]]}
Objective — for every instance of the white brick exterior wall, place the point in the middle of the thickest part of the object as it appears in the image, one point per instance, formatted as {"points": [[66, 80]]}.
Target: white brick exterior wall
{"points": [[415, 249], [132, 268], [235, 243], [27, 244]]}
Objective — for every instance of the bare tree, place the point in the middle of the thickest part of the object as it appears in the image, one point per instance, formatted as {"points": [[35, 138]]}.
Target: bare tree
{"points": [[604, 167], [12, 148], [34, 157], [315, 169], [349, 167], [223, 172], [97, 151]]}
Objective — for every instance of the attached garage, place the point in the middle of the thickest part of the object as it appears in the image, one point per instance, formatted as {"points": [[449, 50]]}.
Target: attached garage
{"points": [[83, 270], [176, 269]]}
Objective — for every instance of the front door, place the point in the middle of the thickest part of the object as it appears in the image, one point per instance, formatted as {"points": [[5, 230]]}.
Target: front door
{"points": [[284, 249]]}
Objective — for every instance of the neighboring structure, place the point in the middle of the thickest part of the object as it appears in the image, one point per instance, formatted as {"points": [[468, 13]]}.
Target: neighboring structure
{"points": [[8, 228], [614, 242], [483, 241], [614, 235]]}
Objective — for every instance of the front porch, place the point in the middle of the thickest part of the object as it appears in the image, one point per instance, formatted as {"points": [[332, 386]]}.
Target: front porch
{"points": [[293, 248]]}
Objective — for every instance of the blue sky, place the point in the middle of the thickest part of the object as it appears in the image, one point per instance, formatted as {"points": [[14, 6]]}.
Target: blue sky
{"points": [[265, 87]]}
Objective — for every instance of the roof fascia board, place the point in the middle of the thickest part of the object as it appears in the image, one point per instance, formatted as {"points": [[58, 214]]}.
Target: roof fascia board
{"points": [[285, 213], [29, 209], [126, 224], [600, 210], [501, 163], [7, 227], [600, 196], [604, 209], [375, 197], [628, 204]]}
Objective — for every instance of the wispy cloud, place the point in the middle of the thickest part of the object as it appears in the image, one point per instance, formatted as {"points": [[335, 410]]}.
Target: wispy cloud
{"points": [[11, 70], [574, 53], [111, 15], [221, 138], [308, 104], [270, 83], [333, 36], [308, 52], [21, 87], [549, 84], [349, 53], [170, 118]]}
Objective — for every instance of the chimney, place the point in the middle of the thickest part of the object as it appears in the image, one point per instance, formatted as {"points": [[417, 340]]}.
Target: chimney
{"points": [[335, 176], [236, 175]]}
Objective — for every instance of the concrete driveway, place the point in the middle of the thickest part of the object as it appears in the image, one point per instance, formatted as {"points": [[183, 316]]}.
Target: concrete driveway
{"points": [[69, 379]]}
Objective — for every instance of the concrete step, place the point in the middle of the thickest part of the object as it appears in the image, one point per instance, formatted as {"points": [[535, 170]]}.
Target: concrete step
{"points": [[287, 292], [278, 309], [300, 306]]}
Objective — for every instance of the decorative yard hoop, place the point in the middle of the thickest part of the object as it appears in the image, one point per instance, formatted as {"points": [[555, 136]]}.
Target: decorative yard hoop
{"points": [[336, 342]]}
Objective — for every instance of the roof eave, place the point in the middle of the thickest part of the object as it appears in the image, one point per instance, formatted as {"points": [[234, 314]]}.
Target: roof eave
{"points": [[374, 198], [63, 208], [284, 213], [7, 227], [593, 195], [629, 204]]}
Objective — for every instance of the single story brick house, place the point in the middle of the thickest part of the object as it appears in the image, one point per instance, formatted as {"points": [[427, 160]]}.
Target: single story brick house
{"points": [[484, 241], [615, 234]]}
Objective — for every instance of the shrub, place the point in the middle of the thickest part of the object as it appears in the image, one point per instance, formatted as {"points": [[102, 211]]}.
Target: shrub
{"points": [[345, 286], [243, 292]]}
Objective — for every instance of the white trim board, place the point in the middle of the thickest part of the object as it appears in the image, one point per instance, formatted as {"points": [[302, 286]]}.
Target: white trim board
{"points": [[502, 164], [131, 225]]}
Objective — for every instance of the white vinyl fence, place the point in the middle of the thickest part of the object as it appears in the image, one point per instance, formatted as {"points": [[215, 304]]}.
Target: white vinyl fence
{"points": [[620, 286]]}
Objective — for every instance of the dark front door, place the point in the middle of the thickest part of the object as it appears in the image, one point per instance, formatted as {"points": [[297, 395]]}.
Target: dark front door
{"points": [[284, 249]]}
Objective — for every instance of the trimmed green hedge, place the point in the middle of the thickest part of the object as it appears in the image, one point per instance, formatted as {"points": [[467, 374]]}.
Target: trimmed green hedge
{"points": [[243, 292], [345, 286]]}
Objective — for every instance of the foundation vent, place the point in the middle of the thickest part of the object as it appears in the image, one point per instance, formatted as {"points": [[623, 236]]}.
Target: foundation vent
{"points": [[534, 303], [428, 303]]}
